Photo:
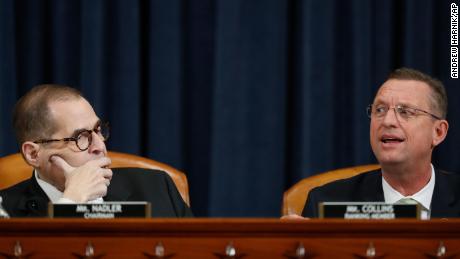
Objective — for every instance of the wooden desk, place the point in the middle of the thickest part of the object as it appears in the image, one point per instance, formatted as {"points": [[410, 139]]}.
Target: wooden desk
{"points": [[207, 238]]}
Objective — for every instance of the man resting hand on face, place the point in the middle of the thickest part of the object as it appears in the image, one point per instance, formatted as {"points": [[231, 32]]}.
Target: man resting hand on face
{"points": [[63, 139]]}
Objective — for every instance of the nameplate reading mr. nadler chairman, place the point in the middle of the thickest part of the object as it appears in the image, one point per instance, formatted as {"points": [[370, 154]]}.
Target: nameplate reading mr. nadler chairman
{"points": [[106, 210], [368, 210]]}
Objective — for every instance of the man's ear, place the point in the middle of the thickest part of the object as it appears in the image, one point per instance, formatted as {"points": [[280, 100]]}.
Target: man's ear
{"points": [[30, 152], [440, 132]]}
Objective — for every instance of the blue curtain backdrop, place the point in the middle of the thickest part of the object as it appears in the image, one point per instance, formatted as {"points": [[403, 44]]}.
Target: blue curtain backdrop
{"points": [[246, 96]]}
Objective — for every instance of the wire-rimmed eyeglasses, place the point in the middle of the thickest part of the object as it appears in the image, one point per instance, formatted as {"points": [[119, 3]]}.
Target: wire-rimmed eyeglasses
{"points": [[403, 111]]}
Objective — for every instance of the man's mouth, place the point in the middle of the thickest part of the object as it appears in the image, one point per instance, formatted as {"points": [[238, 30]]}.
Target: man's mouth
{"points": [[391, 139]]}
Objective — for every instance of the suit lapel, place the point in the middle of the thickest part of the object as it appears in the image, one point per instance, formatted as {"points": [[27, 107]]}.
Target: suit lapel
{"points": [[443, 200], [372, 189], [117, 190], [34, 203]]}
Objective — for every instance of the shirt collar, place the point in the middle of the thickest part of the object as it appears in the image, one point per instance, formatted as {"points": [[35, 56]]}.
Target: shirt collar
{"points": [[423, 196], [53, 194]]}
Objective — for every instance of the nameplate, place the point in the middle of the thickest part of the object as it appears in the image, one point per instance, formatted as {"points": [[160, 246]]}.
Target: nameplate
{"points": [[368, 210], [106, 210]]}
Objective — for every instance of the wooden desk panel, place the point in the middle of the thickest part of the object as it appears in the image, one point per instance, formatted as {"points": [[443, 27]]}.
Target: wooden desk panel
{"points": [[205, 238]]}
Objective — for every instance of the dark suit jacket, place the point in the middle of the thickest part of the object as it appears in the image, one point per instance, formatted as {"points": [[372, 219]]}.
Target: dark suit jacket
{"points": [[445, 202], [27, 199]]}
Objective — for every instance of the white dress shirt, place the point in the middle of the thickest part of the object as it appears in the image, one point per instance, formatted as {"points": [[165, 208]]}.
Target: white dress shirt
{"points": [[423, 197], [54, 194]]}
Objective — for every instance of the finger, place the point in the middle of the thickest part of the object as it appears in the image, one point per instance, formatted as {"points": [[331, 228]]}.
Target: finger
{"points": [[61, 164], [107, 173], [103, 162], [292, 217]]}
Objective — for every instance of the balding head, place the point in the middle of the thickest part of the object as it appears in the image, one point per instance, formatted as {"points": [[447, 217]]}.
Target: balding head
{"points": [[31, 116]]}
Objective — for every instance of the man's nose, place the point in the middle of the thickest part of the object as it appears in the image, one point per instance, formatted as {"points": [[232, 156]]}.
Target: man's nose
{"points": [[97, 143], [391, 118]]}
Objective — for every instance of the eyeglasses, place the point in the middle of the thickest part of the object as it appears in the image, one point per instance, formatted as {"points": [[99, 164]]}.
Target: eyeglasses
{"points": [[403, 111], [84, 138]]}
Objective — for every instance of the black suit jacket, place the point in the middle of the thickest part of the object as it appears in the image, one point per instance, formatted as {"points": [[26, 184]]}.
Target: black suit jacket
{"points": [[445, 202], [27, 198]]}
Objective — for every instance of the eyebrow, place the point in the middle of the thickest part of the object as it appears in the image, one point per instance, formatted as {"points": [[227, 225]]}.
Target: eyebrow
{"points": [[78, 131], [405, 104]]}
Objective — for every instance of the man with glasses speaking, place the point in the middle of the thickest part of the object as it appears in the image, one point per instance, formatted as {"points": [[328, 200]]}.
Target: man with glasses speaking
{"points": [[60, 135], [408, 120]]}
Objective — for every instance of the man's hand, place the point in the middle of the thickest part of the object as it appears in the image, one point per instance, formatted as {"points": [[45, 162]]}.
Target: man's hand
{"points": [[87, 182], [293, 217]]}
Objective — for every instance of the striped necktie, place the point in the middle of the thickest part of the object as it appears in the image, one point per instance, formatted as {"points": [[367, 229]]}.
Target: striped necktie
{"points": [[407, 201], [425, 214]]}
